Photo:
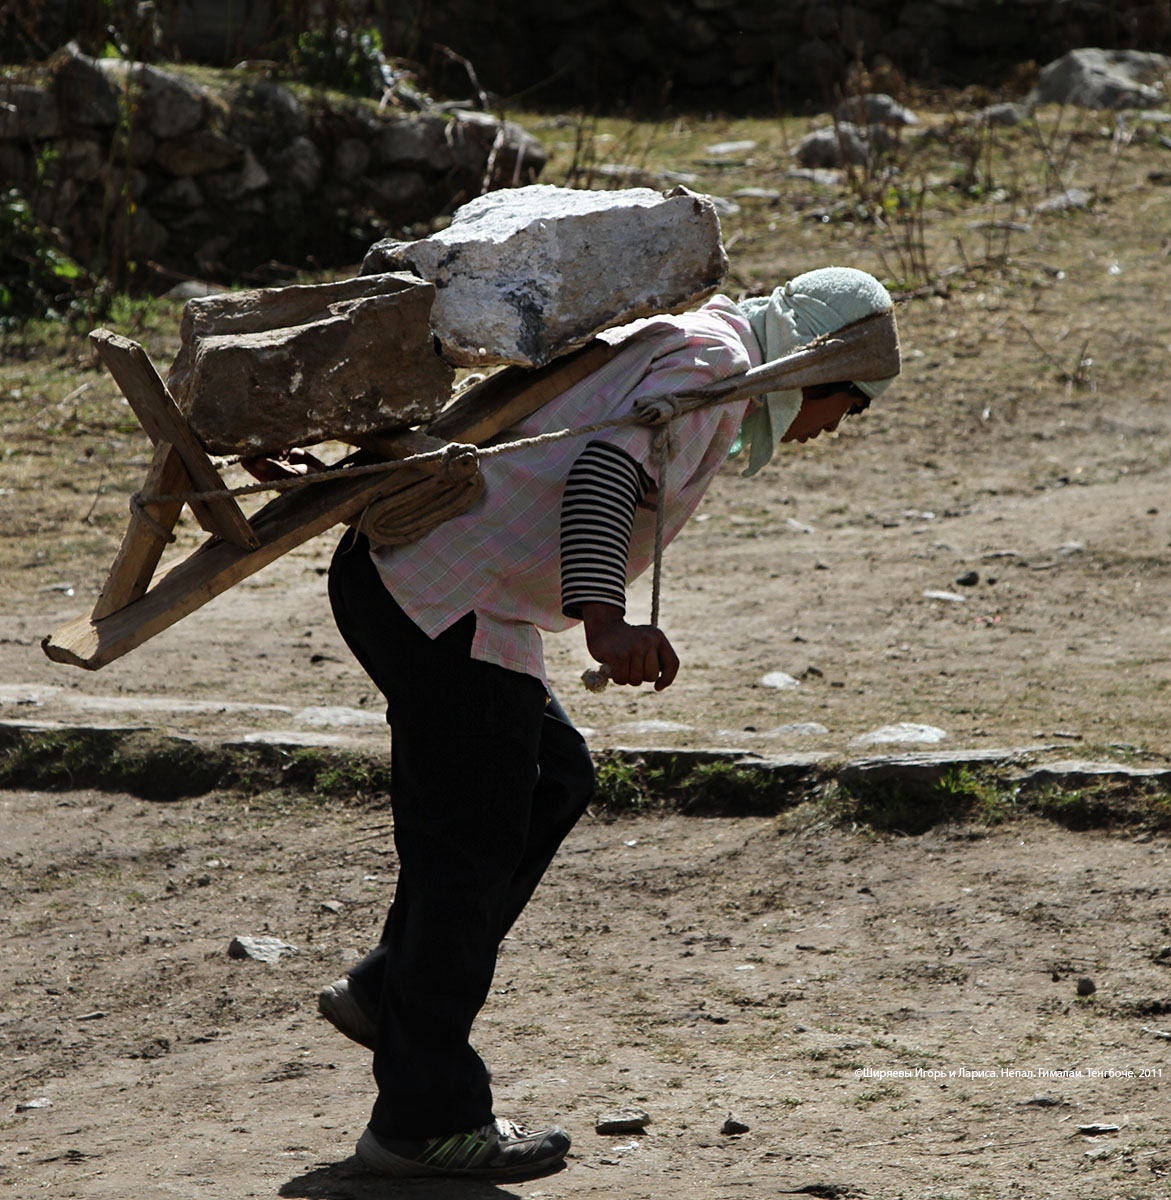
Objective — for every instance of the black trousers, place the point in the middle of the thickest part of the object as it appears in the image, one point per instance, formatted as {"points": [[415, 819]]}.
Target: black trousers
{"points": [[488, 775]]}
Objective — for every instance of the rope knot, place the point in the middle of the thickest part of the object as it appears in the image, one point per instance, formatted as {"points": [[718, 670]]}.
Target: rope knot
{"points": [[658, 410], [460, 461], [142, 513]]}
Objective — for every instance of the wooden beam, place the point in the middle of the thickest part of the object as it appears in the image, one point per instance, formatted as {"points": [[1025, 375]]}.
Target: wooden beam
{"points": [[159, 415], [142, 545], [296, 516]]}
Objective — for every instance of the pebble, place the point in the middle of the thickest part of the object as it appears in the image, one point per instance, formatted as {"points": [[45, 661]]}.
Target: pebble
{"points": [[333, 906], [1086, 986], [1043, 1100], [968, 579], [951, 597], [732, 1126], [622, 1120], [778, 679], [39, 1102], [261, 949]]}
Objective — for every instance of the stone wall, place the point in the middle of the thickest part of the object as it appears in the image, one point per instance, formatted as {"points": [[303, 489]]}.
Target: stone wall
{"points": [[220, 173], [754, 55]]}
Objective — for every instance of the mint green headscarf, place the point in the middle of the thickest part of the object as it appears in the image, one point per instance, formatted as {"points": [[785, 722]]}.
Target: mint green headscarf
{"points": [[818, 302]]}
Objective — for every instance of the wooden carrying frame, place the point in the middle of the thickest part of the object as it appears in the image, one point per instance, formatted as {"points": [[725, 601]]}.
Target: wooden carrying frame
{"points": [[129, 611]]}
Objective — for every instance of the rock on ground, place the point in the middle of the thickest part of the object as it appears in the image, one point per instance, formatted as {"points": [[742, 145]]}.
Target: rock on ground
{"points": [[842, 143], [527, 274], [875, 108], [262, 371], [1092, 78]]}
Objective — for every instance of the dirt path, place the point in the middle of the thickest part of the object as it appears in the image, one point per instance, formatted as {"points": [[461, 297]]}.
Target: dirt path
{"points": [[896, 1017]]}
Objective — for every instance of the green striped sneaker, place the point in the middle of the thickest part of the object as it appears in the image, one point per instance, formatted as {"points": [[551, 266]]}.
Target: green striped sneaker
{"points": [[500, 1150]]}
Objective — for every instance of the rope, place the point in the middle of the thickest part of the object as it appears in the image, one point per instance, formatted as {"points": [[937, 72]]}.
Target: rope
{"points": [[454, 455]]}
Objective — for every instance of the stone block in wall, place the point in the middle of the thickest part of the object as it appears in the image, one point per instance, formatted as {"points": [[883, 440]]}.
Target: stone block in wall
{"points": [[526, 274], [253, 176], [298, 163], [262, 371], [398, 191], [27, 114], [87, 95], [262, 114], [419, 141], [222, 187], [924, 14], [182, 194], [203, 151], [135, 144], [148, 236], [81, 159], [350, 159], [821, 21], [171, 104], [16, 167]]}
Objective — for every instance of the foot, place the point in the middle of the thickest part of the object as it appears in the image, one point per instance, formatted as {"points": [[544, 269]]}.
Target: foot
{"points": [[499, 1150], [342, 1006]]}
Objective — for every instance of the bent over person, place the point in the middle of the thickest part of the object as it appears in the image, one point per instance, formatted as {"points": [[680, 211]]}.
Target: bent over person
{"points": [[488, 772]]}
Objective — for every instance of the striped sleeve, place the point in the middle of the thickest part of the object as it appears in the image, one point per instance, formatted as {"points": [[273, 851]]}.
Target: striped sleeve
{"points": [[604, 488]]}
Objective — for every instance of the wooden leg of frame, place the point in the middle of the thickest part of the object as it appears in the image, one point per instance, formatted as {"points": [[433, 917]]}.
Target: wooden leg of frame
{"points": [[146, 393], [143, 544]]}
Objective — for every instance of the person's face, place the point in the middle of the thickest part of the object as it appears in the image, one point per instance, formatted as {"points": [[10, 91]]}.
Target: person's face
{"points": [[818, 414]]}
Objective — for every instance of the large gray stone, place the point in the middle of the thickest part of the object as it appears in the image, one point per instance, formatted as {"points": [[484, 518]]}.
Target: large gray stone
{"points": [[172, 105], [262, 371], [526, 274], [1092, 78], [87, 96], [27, 113]]}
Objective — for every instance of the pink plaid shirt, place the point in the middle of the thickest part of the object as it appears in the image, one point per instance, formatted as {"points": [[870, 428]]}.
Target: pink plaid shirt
{"points": [[502, 559]]}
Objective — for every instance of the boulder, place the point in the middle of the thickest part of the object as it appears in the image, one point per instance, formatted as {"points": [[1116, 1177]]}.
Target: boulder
{"points": [[875, 108], [1092, 78], [836, 146], [262, 371], [525, 275]]}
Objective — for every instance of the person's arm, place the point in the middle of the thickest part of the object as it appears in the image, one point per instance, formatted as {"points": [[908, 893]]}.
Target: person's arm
{"points": [[602, 492]]}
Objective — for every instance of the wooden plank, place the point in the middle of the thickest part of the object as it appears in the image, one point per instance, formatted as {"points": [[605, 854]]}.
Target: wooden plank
{"points": [[296, 516], [282, 524], [147, 395], [514, 393], [142, 546]]}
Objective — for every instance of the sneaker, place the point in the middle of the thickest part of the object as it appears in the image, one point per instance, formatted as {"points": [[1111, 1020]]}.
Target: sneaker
{"points": [[499, 1150], [341, 1006]]}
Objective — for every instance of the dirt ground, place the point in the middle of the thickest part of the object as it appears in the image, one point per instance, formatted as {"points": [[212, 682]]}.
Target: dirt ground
{"points": [[890, 1018], [776, 970]]}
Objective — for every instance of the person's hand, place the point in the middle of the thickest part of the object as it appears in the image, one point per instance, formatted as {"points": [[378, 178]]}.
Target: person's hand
{"points": [[288, 466], [634, 654]]}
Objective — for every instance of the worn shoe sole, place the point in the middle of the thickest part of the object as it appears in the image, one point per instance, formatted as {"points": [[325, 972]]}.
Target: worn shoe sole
{"points": [[377, 1158], [339, 1006]]}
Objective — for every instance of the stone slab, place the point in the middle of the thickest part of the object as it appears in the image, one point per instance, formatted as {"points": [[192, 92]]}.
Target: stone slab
{"points": [[262, 371], [527, 274]]}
